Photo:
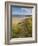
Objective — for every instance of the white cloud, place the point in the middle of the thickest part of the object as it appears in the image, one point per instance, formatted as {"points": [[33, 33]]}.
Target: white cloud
{"points": [[23, 11]]}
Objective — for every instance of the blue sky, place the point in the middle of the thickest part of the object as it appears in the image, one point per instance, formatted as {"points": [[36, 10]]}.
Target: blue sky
{"points": [[21, 11]]}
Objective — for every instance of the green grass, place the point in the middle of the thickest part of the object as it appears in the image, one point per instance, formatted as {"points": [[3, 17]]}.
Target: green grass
{"points": [[22, 29]]}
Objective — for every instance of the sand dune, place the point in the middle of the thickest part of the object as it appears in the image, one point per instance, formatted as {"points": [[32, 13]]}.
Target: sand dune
{"points": [[16, 20]]}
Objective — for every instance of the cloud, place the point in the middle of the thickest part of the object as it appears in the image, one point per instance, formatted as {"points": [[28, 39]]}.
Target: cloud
{"points": [[28, 10], [21, 11]]}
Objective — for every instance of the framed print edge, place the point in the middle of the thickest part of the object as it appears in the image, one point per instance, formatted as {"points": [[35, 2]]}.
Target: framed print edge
{"points": [[7, 24]]}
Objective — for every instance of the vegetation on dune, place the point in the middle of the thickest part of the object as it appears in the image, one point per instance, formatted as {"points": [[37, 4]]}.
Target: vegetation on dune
{"points": [[22, 29]]}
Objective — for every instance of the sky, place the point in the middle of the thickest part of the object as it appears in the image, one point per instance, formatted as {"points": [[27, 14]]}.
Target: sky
{"points": [[21, 11]]}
